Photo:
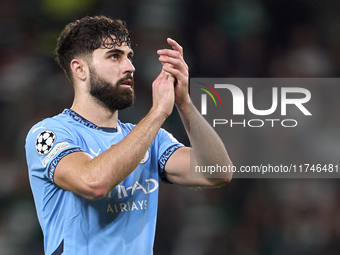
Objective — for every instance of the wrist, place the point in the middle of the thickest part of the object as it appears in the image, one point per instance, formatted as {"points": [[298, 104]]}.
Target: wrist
{"points": [[157, 114], [184, 105]]}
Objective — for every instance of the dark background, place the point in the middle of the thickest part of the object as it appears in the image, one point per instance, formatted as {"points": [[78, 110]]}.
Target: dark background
{"points": [[240, 38]]}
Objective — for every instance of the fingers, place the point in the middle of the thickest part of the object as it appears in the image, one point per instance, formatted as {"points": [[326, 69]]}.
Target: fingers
{"points": [[173, 72], [175, 68], [177, 62], [176, 52], [167, 54], [173, 62], [165, 75], [178, 71], [175, 46]]}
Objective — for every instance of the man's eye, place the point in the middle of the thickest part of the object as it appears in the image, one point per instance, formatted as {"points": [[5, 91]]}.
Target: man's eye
{"points": [[114, 56]]}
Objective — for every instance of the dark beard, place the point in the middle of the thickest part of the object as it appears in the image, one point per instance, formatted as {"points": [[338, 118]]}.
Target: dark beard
{"points": [[112, 97]]}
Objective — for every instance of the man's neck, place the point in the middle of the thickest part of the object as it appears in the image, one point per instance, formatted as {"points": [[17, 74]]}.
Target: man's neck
{"points": [[95, 113]]}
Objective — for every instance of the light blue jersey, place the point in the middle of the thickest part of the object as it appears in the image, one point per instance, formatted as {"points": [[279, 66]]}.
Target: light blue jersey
{"points": [[124, 221]]}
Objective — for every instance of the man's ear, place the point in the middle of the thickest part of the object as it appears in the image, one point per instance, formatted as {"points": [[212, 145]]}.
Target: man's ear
{"points": [[79, 69]]}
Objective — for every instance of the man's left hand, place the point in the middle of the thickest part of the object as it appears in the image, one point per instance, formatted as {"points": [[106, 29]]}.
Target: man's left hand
{"points": [[173, 63]]}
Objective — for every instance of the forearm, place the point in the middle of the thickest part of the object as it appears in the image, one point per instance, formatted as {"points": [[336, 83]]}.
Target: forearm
{"points": [[208, 148], [115, 164], [93, 178]]}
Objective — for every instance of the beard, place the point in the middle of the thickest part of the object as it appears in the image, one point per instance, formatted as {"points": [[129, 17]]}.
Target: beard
{"points": [[113, 97]]}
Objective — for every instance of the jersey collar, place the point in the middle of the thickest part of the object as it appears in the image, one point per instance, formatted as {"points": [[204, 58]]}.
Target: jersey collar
{"points": [[75, 116]]}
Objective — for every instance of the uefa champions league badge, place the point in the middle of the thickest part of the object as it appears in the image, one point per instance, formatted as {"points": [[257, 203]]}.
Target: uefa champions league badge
{"points": [[44, 142], [145, 158]]}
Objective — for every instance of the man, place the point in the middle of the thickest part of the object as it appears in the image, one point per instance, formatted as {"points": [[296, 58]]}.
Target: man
{"points": [[95, 179]]}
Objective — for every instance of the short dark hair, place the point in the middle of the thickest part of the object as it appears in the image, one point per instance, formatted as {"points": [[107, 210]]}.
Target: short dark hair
{"points": [[83, 36]]}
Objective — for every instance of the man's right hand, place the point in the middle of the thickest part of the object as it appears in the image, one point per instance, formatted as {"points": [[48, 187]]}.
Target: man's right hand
{"points": [[163, 94]]}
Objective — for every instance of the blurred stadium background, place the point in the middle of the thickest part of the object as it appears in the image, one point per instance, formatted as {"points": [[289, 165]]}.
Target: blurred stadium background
{"points": [[231, 38]]}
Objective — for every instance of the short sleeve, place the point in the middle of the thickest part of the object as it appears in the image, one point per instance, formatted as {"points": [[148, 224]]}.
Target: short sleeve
{"points": [[46, 144], [167, 146]]}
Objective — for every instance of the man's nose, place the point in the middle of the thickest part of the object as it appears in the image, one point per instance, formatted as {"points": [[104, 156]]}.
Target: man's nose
{"points": [[128, 66]]}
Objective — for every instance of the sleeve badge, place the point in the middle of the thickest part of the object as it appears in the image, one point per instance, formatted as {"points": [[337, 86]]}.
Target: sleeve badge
{"points": [[44, 142]]}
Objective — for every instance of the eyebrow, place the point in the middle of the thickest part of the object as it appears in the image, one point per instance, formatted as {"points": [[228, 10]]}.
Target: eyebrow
{"points": [[130, 53]]}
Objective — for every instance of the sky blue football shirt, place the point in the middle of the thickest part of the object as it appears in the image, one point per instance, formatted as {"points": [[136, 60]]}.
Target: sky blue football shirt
{"points": [[124, 221]]}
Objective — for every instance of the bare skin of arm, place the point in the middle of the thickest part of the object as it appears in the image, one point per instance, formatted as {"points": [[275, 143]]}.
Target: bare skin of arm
{"points": [[207, 147]]}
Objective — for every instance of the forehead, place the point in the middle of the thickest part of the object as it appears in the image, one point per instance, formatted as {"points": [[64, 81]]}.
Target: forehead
{"points": [[123, 49], [110, 43]]}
